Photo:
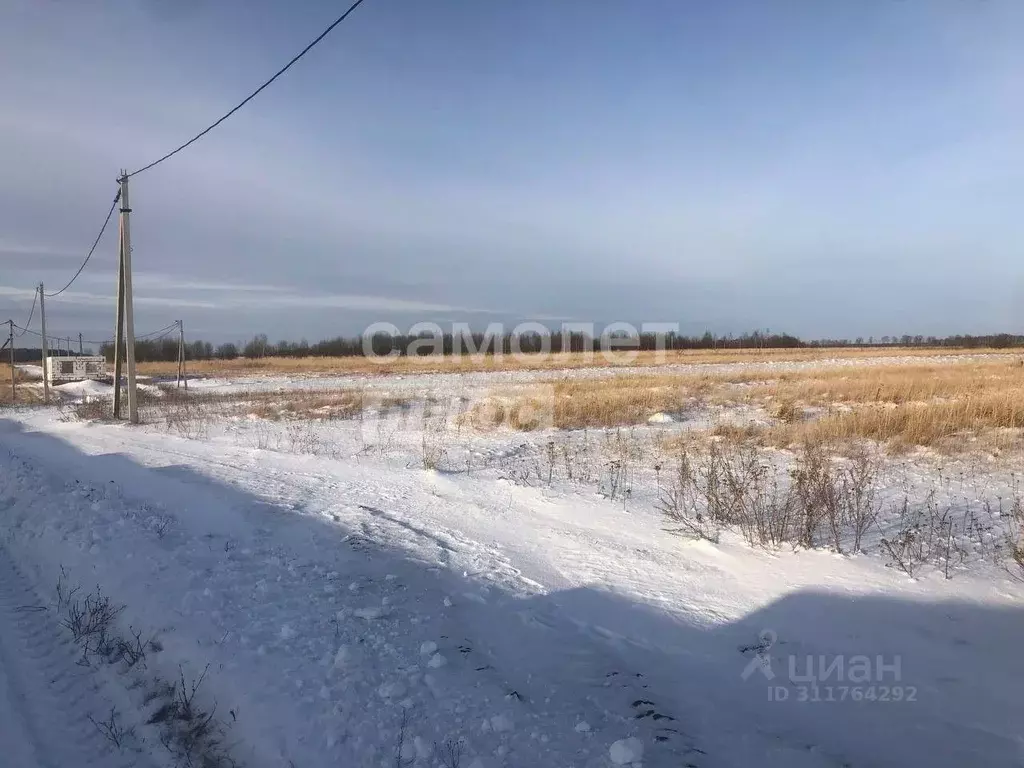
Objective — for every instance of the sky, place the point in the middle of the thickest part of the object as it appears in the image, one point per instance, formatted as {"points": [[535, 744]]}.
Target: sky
{"points": [[831, 169]]}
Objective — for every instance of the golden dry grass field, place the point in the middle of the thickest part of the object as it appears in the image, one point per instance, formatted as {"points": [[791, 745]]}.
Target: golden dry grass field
{"points": [[26, 395], [472, 363], [941, 404]]}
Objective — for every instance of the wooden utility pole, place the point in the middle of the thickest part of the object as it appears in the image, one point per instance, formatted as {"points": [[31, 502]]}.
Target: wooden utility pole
{"points": [[14, 377], [46, 353], [125, 309], [80, 353]]}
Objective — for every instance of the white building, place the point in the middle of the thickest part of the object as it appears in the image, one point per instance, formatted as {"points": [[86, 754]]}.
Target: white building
{"points": [[75, 368]]}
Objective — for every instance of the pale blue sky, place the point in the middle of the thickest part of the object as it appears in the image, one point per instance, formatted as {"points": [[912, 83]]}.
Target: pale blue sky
{"points": [[828, 167]]}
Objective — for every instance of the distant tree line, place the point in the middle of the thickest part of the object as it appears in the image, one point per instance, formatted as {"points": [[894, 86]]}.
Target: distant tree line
{"points": [[156, 350], [259, 346], [991, 341]]}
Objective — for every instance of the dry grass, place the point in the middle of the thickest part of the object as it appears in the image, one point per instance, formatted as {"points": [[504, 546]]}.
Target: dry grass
{"points": [[25, 395], [939, 404], [895, 384], [470, 363], [943, 424], [339, 404], [273, 406], [622, 400]]}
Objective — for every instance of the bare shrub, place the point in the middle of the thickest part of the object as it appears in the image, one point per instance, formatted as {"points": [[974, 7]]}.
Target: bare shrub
{"points": [[815, 489], [434, 434], [680, 501], [191, 733], [132, 652], [432, 450], [185, 416], [858, 484], [160, 524], [65, 592], [908, 547], [1015, 533], [837, 499], [741, 487], [303, 438], [113, 730], [449, 754], [94, 409], [621, 452], [90, 621], [400, 746], [1017, 556], [819, 500], [262, 433]]}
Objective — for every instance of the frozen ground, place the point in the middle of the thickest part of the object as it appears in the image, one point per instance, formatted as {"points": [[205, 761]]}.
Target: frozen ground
{"points": [[358, 609]]}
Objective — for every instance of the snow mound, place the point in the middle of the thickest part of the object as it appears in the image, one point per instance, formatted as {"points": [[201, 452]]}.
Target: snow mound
{"points": [[32, 371], [660, 418], [626, 751], [87, 388]]}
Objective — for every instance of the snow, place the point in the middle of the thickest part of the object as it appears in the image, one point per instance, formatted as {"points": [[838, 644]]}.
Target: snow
{"points": [[87, 388], [436, 661], [32, 371], [46, 696], [501, 723], [77, 391], [626, 751], [339, 590]]}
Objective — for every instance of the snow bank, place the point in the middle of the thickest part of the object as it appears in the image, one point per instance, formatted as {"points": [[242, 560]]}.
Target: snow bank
{"points": [[32, 371], [90, 389], [87, 388]]}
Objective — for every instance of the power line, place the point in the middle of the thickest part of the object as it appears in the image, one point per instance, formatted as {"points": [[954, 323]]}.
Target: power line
{"points": [[255, 93], [31, 312], [164, 331], [93, 249]]}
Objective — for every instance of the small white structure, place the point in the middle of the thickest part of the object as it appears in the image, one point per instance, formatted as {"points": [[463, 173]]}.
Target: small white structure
{"points": [[75, 368]]}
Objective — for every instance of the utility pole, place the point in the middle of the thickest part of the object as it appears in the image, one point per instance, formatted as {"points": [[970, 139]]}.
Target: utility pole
{"points": [[14, 377], [182, 378], [125, 310], [129, 312], [46, 353], [80, 353], [119, 326], [177, 382]]}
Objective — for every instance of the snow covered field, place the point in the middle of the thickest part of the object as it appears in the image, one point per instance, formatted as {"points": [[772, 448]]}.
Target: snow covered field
{"points": [[402, 588]]}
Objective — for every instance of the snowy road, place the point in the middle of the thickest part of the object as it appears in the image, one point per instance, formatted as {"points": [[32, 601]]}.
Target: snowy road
{"points": [[46, 698], [536, 628]]}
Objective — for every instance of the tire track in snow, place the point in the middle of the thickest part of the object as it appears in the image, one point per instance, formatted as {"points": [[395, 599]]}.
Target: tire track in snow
{"points": [[46, 698]]}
